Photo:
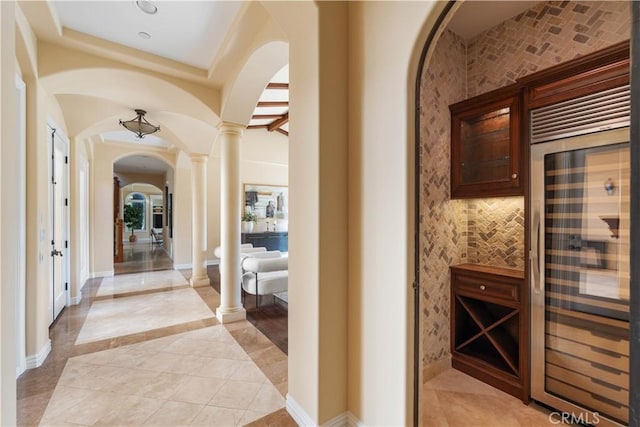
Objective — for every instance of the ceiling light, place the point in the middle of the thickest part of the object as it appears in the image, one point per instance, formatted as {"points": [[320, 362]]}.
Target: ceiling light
{"points": [[139, 125], [147, 7], [144, 35]]}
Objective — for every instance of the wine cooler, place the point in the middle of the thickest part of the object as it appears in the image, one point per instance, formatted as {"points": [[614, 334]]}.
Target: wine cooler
{"points": [[579, 253]]}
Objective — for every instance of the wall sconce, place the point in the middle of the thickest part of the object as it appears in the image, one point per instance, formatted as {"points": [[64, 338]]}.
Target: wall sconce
{"points": [[609, 187]]}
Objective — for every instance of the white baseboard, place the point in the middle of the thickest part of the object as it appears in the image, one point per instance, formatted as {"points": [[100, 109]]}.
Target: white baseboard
{"points": [[85, 277], [341, 420], [353, 421], [298, 414], [75, 300], [182, 266], [35, 360], [98, 274], [301, 417], [22, 366], [213, 261]]}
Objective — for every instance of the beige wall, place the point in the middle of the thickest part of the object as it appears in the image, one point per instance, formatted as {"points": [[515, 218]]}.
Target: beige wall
{"points": [[9, 258], [386, 39], [147, 178]]}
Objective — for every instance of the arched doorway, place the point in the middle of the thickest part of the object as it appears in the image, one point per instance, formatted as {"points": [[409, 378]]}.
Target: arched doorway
{"points": [[143, 214], [458, 231]]}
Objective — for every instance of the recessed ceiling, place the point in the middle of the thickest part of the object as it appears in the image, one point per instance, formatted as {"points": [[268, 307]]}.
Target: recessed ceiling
{"points": [[190, 32], [474, 17], [141, 164]]}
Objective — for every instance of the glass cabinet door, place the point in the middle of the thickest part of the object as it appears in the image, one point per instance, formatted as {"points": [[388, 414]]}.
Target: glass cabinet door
{"points": [[485, 150]]}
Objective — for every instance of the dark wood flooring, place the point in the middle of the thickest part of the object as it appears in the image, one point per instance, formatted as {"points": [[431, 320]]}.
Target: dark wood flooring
{"points": [[272, 317]]}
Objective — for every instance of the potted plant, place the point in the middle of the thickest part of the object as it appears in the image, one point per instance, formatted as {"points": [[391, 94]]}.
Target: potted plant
{"points": [[248, 219], [133, 219]]}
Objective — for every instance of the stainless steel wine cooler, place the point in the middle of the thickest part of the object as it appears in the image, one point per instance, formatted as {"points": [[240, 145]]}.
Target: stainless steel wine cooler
{"points": [[579, 253]]}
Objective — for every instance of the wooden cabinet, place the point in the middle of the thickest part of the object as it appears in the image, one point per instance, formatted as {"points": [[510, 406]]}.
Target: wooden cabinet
{"points": [[489, 328], [485, 146], [272, 240]]}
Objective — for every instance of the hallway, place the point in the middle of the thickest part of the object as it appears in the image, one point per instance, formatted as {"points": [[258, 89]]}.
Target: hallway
{"points": [[142, 256], [146, 349]]}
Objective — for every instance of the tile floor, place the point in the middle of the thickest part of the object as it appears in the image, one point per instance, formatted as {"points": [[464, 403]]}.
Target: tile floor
{"points": [[142, 256], [188, 370], [454, 399], [193, 371]]}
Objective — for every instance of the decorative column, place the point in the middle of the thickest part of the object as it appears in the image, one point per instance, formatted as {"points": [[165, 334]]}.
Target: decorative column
{"points": [[231, 309], [199, 275]]}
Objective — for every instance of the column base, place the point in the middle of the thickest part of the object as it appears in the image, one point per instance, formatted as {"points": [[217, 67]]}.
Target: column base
{"points": [[197, 282], [230, 316]]}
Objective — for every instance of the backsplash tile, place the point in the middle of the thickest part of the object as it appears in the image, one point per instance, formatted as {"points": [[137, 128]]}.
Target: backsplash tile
{"points": [[496, 231]]}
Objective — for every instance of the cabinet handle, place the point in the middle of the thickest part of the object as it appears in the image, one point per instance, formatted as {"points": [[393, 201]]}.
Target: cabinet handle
{"points": [[483, 287], [514, 176]]}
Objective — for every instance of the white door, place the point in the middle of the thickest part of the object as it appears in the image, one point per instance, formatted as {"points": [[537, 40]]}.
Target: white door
{"points": [[59, 221]]}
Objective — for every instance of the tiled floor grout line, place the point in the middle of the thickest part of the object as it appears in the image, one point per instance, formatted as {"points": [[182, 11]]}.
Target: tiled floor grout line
{"points": [[78, 314], [138, 293]]}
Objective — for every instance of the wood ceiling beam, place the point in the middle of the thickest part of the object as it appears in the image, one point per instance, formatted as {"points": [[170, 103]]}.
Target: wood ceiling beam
{"points": [[282, 131], [257, 126], [265, 116], [276, 124], [273, 104], [278, 86]]}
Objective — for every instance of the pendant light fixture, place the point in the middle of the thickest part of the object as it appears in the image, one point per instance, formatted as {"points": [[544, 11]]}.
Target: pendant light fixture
{"points": [[139, 125]]}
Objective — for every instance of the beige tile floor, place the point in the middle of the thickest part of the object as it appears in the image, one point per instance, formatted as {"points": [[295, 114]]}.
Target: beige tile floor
{"points": [[123, 316], [140, 282], [454, 399], [202, 375]]}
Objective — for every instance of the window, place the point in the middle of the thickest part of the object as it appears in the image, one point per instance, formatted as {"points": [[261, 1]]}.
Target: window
{"points": [[138, 199]]}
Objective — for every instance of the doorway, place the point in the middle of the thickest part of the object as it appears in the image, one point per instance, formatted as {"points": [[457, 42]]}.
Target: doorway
{"points": [[59, 217]]}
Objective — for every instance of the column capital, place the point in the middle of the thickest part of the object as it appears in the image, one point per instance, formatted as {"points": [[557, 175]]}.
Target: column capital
{"points": [[231, 128], [197, 157]]}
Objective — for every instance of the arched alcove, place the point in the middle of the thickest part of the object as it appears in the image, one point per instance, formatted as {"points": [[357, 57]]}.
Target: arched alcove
{"points": [[454, 68]]}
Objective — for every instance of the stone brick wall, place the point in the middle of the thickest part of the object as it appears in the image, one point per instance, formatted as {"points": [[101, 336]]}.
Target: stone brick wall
{"points": [[443, 239], [546, 35], [495, 230], [489, 231]]}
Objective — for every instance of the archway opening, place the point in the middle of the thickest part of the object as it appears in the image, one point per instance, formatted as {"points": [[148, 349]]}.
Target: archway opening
{"points": [[480, 230]]}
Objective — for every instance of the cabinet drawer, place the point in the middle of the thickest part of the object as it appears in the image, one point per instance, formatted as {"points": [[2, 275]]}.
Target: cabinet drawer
{"points": [[483, 288]]}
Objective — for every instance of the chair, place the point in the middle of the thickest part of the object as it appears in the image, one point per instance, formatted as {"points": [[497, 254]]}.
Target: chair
{"points": [[265, 276], [156, 237]]}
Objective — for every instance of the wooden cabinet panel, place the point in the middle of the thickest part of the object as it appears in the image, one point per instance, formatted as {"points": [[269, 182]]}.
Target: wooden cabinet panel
{"points": [[489, 328], [485, 146]]}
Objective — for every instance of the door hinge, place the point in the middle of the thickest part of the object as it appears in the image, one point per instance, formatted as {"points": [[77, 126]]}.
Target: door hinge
{"points": [[66, 286], [66, 244], [66, 201], [66, 160]]}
